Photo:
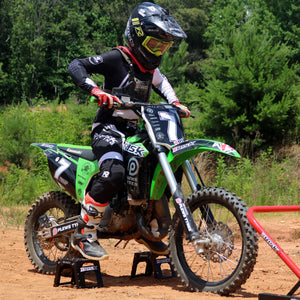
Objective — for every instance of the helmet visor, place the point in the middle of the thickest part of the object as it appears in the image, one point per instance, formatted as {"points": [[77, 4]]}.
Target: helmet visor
{"points": [[156, 46]]}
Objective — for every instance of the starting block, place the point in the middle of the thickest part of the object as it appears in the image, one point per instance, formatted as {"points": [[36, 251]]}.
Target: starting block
{"points": [[153, 264], [265, 296], [78, 270]]}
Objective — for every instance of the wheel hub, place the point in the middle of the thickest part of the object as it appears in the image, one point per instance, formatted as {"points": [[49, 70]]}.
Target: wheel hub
{"points": [[221, 242]]}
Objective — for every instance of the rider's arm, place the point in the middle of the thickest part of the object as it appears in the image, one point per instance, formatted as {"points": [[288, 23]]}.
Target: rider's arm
{"points": [[162, 86], [110, 64], [79, 69], [104, 64]]}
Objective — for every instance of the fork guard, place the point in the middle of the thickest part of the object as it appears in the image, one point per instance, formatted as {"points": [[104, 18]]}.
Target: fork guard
{"points": [[182, 152]]}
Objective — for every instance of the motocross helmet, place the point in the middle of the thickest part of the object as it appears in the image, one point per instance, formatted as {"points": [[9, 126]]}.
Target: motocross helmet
{"points": [[150, 32]]}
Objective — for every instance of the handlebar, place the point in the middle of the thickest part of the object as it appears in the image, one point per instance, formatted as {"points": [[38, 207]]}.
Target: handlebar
{"points": [[129, 104]]}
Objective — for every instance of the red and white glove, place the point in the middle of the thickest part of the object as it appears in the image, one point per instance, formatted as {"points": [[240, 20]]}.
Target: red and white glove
{"points": [[104, 99], [186, 112]]}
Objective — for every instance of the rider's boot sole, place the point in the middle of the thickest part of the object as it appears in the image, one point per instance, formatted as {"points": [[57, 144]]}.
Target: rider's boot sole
{"points": [[103, 257]]}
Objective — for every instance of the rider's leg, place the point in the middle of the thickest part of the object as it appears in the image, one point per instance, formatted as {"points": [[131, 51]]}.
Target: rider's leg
{"points": [[85, 236], [107, 146], [93, 208]]}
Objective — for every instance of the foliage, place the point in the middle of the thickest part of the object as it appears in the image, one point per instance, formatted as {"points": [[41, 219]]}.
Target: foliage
{"points": [[265, 182], [287, 15], [21, 125], [176, 64], [238, 70], [27, 175], [193, 16], [251, 93], [16, 132]]}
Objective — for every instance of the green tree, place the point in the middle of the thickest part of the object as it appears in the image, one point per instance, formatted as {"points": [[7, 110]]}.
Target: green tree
{"points": [[287, 15], [193, 16], [45, 36], [251, 91], [118, 13]]}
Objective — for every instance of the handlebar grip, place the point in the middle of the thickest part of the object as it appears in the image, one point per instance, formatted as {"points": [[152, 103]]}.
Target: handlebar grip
{"points": [[93, 99]]}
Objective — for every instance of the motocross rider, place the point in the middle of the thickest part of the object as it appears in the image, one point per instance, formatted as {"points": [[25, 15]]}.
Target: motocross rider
{"points": [[132, 70]]}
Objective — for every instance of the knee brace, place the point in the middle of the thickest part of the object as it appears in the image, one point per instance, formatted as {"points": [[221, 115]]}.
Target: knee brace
{"points": [[109, 180]]}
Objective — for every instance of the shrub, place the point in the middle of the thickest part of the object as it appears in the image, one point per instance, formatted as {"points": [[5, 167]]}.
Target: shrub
{"points": [[265, 182]]}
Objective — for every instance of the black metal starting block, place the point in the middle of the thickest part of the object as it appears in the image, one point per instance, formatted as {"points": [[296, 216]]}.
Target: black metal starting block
{"points": [[78, 270], [266, 296], [153, 264]]}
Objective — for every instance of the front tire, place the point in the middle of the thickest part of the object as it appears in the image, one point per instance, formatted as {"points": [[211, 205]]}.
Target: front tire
{"points": [[44, 252], [228, 259]]}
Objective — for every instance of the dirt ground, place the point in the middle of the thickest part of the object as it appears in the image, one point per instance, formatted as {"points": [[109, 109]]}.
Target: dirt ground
{"points": [[19, 280]]}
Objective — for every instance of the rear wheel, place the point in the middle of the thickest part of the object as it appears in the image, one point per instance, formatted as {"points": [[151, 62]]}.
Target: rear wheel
{"points": [[42, 251], [230, 251]]}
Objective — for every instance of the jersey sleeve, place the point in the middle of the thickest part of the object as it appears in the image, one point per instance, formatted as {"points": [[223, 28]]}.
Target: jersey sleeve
{"points": [[162, 86], [80, 68]]}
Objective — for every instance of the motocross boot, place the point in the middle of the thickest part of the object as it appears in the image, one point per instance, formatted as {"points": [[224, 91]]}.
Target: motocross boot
{"points": [[85, 236]]}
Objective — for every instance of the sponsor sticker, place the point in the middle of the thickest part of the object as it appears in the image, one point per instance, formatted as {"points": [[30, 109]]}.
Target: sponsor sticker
{"points": [[223, 147], [184, 213], [183, 146], [134, 149], [95, 60]]}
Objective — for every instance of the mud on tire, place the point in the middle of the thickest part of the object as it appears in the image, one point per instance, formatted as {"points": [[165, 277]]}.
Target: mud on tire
{"points": [[43, 253], [228, 260]]}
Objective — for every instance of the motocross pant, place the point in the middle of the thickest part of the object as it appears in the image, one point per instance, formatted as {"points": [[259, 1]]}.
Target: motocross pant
{"points": [[107, 147]]}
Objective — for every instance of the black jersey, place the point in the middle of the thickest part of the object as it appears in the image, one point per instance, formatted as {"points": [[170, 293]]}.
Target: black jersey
{"points": [[120, 71]]}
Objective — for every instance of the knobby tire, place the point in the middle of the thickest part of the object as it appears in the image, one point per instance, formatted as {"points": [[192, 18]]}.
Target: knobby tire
{"points": [[225, 264], [44, 253]]}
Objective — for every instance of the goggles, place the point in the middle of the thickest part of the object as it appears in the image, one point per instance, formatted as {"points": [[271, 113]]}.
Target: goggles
{"points": [[156, 46]]}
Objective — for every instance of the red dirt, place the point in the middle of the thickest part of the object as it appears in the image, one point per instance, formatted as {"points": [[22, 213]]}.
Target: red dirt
{"points": [[19, 280]]}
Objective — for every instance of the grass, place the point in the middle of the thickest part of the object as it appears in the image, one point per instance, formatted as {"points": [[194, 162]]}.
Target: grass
{"points": [[266, 181], [13, 216]]}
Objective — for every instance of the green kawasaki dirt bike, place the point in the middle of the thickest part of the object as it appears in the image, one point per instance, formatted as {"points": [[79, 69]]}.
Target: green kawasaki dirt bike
{"points": [[212, 245]]}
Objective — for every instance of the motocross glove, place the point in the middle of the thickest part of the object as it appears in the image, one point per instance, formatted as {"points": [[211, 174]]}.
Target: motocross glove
{"points": [[104, 99], [185, 111]]}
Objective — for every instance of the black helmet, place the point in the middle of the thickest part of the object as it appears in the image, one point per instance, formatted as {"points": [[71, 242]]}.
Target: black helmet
{"points": [[150, 32]]}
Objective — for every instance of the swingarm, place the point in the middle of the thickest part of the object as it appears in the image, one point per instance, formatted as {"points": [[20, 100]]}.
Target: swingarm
{"points": [[50, 227]]}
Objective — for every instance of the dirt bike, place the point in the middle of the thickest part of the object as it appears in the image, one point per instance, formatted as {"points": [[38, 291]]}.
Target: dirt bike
{"points": [[212, 245]]}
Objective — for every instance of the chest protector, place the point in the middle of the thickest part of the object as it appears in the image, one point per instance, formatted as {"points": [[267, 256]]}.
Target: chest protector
{"points": [[138, 85]]}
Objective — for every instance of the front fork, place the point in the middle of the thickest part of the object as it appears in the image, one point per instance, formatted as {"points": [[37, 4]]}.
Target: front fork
{"points": [[192, 233]]}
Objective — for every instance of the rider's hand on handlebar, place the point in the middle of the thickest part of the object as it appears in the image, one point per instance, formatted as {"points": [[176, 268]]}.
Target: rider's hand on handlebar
{"points": [[104, 99], [184, 109]]}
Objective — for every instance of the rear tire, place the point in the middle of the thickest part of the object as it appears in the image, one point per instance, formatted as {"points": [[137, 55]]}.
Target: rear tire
{"points": [[44, 253], [229, 258]]}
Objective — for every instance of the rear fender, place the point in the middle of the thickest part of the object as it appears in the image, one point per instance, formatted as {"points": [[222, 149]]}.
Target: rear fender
{"points": [[180, 153], [70, 172]]}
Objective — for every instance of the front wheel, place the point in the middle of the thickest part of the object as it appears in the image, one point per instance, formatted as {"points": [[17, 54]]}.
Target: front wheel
{"points": [[229, 253]]}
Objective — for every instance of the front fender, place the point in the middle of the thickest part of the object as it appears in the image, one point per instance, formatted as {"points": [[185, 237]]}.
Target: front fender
{"points": [[180, 153]]}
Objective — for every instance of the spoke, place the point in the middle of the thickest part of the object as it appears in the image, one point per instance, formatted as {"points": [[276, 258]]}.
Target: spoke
{"points": [[50, 247]]}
